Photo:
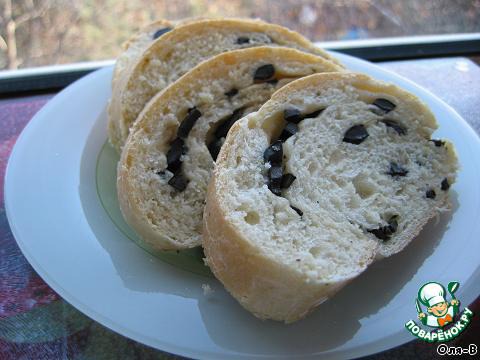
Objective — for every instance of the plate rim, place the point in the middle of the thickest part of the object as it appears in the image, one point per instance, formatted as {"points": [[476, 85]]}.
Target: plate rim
{"points": [[117, 327]]}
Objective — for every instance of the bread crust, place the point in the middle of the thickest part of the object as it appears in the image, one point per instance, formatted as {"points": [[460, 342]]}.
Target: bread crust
{"points": [[119, 118]]}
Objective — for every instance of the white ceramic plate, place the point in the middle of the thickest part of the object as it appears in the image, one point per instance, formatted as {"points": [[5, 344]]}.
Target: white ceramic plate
{"points": [[61, 204]]}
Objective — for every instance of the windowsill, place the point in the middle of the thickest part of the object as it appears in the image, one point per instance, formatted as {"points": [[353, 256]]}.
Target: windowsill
{"points": [[382, 49]]}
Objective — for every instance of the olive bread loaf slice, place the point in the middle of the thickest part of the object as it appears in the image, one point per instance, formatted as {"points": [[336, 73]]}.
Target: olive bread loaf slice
{"points": [[299, 204], [178, 51], [167, 160]]}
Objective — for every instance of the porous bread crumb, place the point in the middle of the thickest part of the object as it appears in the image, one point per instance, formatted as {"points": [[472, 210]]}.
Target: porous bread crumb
{"points": [[339, 186]]}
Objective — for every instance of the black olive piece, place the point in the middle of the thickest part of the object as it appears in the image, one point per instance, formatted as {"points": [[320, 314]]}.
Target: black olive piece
{"points": [[287, 180], [313, 114], [275, 174], [393, 223], [160, 32], [400, 129], [264, 73], [186, 125], [397, 170], [445, 185], [356, 134], [274, 153], [430, 194], [289, 130], [275, 190], [384, 104], [175, 167], [438, 142], [178, 182], [232, 92], [385, 232], [275, 179], [272, 82], [177, 148], [299, 212], [226, 124], [242, 40], [292, 115], [214, 148]]}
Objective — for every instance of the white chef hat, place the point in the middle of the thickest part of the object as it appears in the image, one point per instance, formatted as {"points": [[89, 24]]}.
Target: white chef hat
{"points": [[431, 294]]}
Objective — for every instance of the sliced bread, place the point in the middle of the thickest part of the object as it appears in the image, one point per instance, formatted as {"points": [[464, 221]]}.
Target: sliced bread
{"points": [[178, 51], [167, 160], [299, 205]]}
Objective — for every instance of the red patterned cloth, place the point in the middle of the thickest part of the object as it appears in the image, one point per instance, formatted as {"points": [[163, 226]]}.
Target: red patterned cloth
{"points": [[35, 323]]}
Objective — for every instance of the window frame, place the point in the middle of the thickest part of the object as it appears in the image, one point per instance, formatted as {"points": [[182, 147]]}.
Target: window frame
{"points": [[54, 78]]}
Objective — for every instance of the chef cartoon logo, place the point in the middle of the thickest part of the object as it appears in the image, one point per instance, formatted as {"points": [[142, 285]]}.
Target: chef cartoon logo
{"points": [[439, 313]]}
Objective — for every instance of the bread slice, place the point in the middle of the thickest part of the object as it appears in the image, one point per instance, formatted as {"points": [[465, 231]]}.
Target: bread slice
{"points": [[354, 183], [180, 50], [167, 160]]}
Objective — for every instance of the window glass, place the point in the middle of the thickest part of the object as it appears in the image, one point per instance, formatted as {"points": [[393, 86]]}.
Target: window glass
{"points": [[47, 32]]}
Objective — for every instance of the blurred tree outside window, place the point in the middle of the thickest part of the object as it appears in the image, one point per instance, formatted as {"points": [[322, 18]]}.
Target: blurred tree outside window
{"points": [[47, 32]]}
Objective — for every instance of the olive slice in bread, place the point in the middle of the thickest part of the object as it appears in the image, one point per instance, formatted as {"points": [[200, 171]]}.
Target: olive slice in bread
{"points": [[168, 157], [363, 176]]}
